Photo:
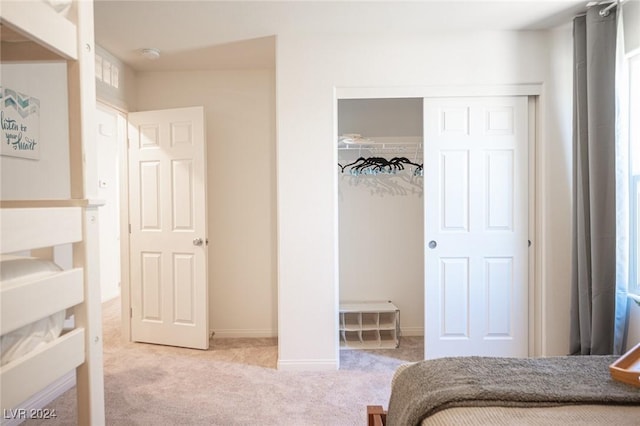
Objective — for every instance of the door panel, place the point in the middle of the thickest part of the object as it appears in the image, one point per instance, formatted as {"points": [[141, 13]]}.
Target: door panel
{"points": [[476, 223], [184, 286], [455, 190], [499, 279], [168, 227], [454, 288], [182, 190], [151, 286], [499, 195], [149, 195]]}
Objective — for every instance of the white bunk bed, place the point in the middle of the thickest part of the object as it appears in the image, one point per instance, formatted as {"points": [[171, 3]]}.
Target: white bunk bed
{"points": [[35, 31]]}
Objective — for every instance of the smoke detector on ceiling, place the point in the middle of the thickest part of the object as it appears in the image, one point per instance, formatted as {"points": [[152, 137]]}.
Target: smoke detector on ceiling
{"points": [[150, 53]]}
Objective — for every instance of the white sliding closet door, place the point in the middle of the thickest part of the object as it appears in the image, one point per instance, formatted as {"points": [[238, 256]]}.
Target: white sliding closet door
{"points": [[476, 226]]}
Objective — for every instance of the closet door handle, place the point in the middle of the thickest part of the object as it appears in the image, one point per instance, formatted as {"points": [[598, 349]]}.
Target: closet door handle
{"points": [[197, 241], [433, 244]]}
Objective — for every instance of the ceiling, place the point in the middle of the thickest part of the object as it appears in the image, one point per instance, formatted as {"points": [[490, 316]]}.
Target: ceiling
{"points": [[209, 34]]}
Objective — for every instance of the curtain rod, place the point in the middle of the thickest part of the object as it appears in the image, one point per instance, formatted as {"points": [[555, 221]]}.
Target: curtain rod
{"points": [[605, 12]]}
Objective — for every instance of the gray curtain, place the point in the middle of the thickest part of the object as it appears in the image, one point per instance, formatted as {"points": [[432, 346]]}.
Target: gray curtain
{"points": [[593, 293]]}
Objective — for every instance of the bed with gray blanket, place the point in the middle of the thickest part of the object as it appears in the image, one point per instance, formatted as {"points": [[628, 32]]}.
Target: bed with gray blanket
{"points": [[524, 391]]}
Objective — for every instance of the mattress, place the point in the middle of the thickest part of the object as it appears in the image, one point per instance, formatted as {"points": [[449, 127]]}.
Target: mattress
{"points": [[13, 345], [504, 391], [578, 415]]}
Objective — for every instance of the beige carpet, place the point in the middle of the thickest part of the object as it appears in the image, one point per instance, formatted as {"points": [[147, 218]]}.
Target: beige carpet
{"points": [[235, 382]]}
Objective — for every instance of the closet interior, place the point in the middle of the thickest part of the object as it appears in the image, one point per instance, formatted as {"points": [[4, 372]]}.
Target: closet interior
{"points": [[381, 203]]}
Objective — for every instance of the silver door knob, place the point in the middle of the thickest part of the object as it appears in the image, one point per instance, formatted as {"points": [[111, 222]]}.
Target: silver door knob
{"points": [[197, 241], [433, 244]]}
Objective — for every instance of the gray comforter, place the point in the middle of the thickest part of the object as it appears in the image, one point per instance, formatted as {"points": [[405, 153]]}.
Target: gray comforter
{"points": [[427, 387]]}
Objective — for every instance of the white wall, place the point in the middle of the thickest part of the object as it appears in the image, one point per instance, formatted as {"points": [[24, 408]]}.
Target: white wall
{"points": [[381, 244], [239, 109], [387, 118], [47, 178], [555, 196], [309, 68]]}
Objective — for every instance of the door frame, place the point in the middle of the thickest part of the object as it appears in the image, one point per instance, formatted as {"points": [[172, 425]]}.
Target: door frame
{"points": [[123, 190], [121, 136], [125, 273], [533, 92]]}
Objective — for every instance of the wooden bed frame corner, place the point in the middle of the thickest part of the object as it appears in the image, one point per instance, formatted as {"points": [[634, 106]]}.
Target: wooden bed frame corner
{"points": [[376, 415]]}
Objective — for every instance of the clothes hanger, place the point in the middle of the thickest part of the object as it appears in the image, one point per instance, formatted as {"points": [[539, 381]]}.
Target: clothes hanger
{"points": [[360, 159], [380, 165], [401, 161]]}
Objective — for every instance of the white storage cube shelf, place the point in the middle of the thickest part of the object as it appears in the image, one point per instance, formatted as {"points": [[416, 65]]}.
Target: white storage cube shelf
{"points": [[373, 325]]}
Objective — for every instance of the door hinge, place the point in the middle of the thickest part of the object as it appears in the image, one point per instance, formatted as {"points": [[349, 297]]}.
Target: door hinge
{"points": [[130, 312], [129, 228]]}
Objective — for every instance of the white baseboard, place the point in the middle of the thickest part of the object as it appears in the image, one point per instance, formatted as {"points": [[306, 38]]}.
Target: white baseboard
{"points": [[265, 332], [109, 297], [307, 364], [412, 331], [41, 399], [244, 333]]}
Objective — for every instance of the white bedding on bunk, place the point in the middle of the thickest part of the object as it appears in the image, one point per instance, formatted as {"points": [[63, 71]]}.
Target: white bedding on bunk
{"points": [[13, 345]]}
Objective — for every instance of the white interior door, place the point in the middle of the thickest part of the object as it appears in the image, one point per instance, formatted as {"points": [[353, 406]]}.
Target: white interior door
{"points": [[168, 241], [476, 227]]}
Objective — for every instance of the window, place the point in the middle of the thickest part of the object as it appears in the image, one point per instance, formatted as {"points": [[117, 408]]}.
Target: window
{"points": [[634, 171]]}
